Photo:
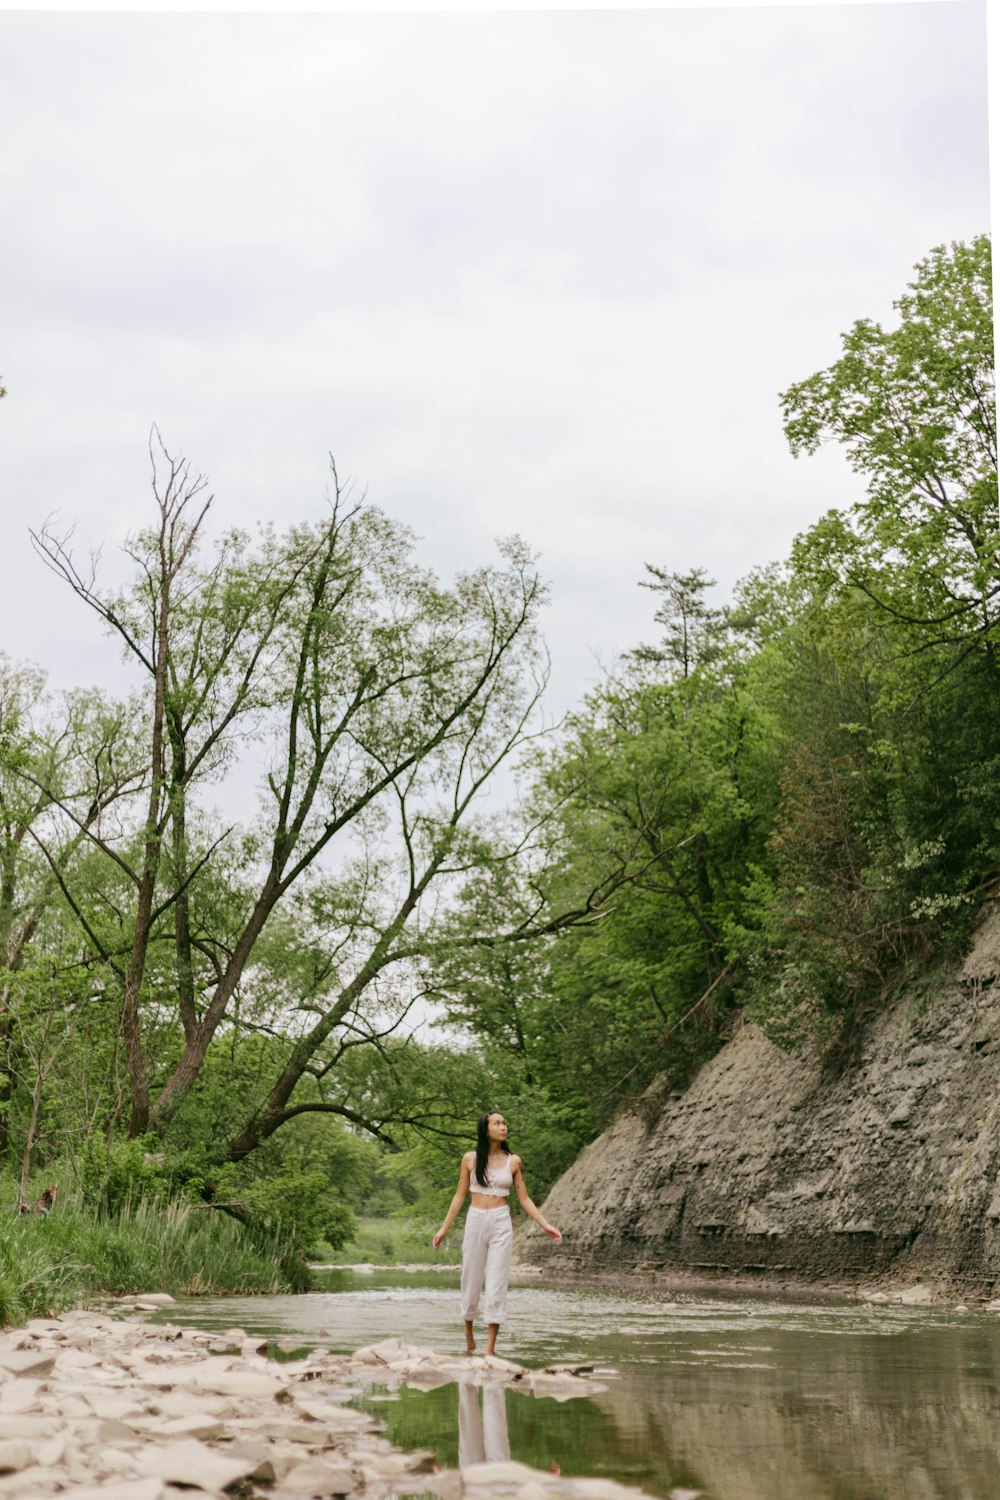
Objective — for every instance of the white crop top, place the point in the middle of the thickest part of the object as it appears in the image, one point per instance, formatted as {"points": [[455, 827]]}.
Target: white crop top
{"points": [[500, 1184]]}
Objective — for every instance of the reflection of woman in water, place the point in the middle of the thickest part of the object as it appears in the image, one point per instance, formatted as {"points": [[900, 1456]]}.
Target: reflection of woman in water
{"points": [[482, 1435], [490, 1171]]}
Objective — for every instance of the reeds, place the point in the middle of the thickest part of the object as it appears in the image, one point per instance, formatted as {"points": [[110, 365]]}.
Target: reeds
{"points": [[72, 1254]]}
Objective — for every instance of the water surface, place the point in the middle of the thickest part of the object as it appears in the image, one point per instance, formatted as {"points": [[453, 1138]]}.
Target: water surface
{"points": [[741, 1398]]}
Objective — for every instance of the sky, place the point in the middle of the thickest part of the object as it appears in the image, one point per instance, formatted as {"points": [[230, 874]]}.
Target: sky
{"points": [[534, 272]]}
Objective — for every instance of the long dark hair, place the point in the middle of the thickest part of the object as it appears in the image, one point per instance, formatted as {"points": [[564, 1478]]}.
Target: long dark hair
{"points": [[483, 1147]]}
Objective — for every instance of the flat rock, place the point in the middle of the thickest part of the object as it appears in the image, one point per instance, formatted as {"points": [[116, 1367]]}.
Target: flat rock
{"points": [[493, 1362], [28, 1428], [383, 1352], [110, 1430], [131, 1489], [500, 1473], [316, 1478], [917, 1295], [562, 1387], [192, 1463], [291, 1431], [27, 1362], [202, 1427], [14, 1456], [19, 1396], [447, 1485], [191, 1404], [606, 1489]]}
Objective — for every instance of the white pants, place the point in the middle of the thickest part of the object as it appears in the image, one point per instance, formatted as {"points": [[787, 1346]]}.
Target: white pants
{"points": [[486, 1250]]}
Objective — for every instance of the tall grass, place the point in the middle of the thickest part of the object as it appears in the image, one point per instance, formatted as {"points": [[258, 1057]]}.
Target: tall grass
{"points": [[72, 1255], [391, 1240]]}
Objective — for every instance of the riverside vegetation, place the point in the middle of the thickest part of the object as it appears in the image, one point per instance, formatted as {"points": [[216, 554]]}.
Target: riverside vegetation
{"points": [[773, 811]]}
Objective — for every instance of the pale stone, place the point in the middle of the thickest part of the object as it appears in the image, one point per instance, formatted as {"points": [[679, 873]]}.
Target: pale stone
{"points": [[191, 1404], [14, 1455], [315, 1478], [389, 1465], [501, 1366], [291, 1431], [386, 1350], [603, 1489], [243, 1383], [192, 1463], [429, 1379], [117, 1461], [917, 1295], [113, 1407], [26, 1362], [230, 1336], [338, 1418], [28, 1428], [72, 1406], [158, 1299], [132, 1489], [19, 1395], [562, 1387], [499, 1473], [50, 1452], [447, 1485], [202, 1427], [110, 1430], [32, 1483], [76, 1359], [258, 1456]]}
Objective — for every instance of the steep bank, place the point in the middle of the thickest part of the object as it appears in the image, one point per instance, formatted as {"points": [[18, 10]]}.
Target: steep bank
{"points": [[785, 1169]]}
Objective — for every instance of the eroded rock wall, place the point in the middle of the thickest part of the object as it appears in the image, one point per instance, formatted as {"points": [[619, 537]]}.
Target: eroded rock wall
{"points": [[782, 1167]]}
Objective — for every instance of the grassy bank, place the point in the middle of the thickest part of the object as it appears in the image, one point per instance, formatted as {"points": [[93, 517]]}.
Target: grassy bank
{"points": [[71, 1255], [389, 1241]]}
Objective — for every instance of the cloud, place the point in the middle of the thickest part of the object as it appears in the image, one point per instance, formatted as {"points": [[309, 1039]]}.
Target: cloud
{"points": [[535, 272]]}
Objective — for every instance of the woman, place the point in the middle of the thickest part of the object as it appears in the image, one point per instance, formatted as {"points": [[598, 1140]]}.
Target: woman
{"points": [[491, 1171]]}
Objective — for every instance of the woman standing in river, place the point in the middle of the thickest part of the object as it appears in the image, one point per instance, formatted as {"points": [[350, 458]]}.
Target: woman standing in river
{"points": [[490, 1171]]}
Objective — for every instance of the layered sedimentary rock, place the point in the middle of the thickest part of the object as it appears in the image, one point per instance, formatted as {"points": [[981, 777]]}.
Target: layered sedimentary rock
{"points": [[792, 1168]]}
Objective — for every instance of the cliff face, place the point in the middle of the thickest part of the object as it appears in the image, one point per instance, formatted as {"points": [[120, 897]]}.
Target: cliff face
{"points": [[775, 1166]]}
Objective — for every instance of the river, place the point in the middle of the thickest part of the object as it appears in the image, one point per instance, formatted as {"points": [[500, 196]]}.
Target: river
{"points": [[738, 1398]]}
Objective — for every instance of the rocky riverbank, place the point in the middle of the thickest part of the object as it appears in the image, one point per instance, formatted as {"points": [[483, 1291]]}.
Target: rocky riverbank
{"points": [[869, 1174], [102, 1405]]}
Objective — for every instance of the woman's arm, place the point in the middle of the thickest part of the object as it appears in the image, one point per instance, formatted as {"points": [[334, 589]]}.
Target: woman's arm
{"points": [[456, 1202], [526, 1203]]}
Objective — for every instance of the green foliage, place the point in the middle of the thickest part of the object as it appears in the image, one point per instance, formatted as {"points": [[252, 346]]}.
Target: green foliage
{"points": [[74, 1254], [385, 1241], [810, 771], [772, 810]]}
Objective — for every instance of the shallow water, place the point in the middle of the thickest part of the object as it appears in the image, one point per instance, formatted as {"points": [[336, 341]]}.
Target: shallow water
{"points": [[740, 1398]]}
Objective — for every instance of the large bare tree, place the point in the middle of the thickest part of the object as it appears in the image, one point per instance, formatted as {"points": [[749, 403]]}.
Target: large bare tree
{"points": [[377, 707]]}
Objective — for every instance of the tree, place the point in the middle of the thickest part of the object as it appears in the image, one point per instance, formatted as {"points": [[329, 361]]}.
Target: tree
{"points": [[915, 407], [378, 706]]}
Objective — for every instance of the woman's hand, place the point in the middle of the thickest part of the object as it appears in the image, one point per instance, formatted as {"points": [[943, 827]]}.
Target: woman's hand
{"points": [[438, 1238], [552, 1232]]}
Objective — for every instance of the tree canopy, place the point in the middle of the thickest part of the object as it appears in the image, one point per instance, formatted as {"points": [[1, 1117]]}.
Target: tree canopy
{"points": [[767, 813]]}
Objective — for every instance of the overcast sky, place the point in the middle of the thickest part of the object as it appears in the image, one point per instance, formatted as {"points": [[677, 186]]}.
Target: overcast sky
{"points": [[534, 272]]}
